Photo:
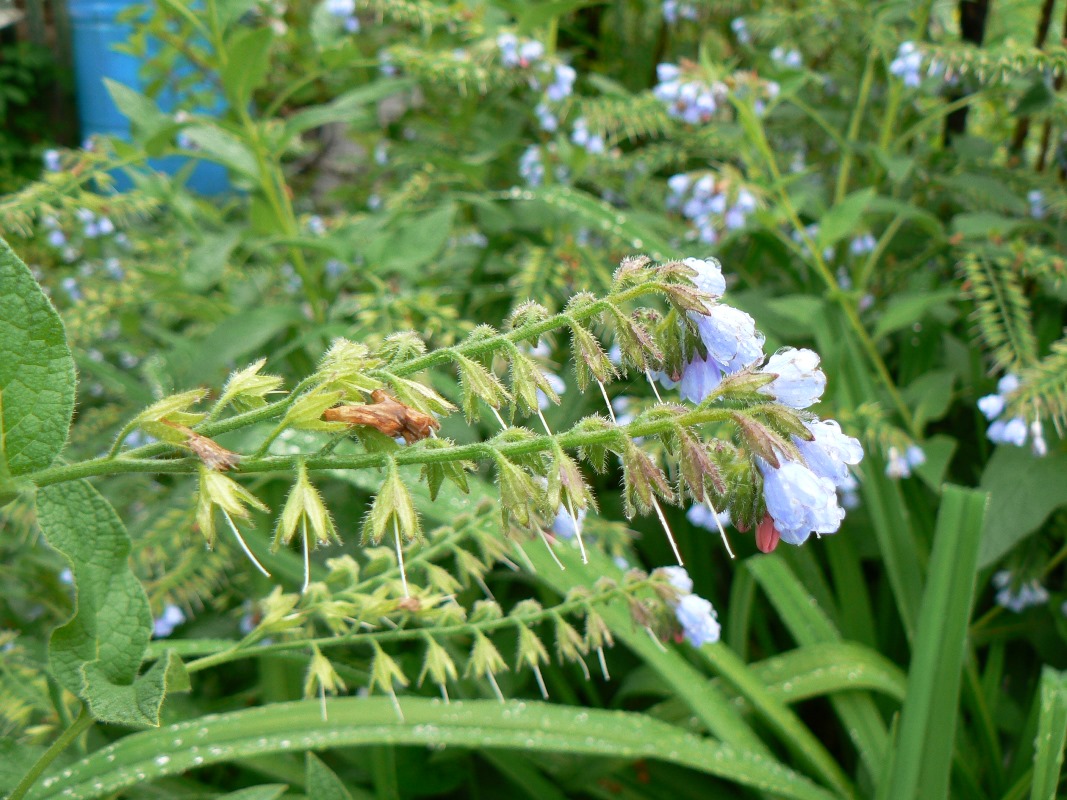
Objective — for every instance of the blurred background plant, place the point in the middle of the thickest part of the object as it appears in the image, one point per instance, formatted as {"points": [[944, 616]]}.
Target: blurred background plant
{"points": [[882, 182]]}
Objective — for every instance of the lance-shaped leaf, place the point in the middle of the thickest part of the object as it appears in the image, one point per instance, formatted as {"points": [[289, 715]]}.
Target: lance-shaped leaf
{"points": [[632, 271], [566, 486], [478, 382], [322, 782], [527, 313], [518, 492], [36, 374], [696, 464], [763, 441], [634, 340], [304, 510], [590, 360], [435, 473], [246, 389], [526, 379], [392, 508], [641, 479], [97, 653]]}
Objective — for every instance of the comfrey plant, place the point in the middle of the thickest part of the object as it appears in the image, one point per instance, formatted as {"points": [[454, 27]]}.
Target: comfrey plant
{"points": [[372, 407]]}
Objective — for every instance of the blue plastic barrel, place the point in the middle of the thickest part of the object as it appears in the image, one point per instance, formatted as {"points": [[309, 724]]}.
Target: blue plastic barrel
{"points": [[95, 32]]}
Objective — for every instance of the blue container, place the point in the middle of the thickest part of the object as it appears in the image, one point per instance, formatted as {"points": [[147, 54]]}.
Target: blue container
{"points": [[95, 32]]}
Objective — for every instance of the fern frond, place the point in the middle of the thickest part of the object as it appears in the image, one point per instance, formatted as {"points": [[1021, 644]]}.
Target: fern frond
{"points": [[1043, 388], [423, 14], [1002, 311], [994, 65], [622, 117], [474, 71], [60, 194]]}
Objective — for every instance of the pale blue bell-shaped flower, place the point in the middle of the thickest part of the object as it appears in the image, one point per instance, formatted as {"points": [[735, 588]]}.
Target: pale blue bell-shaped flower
{"points": [[799, 501], [799, 382], [831, 452], [698, 620]]}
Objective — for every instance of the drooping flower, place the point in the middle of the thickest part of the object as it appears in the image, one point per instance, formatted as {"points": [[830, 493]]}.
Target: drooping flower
{"points": [[799, 382], [831, 452], [730, 337], [698, 619], [799, 501], [900, 465]]}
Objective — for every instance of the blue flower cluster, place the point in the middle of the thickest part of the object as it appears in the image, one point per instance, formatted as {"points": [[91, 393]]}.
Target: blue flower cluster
{"points": [[345, 10], [583, 137], [908, 64], [1014, 430], [531, 167], [674, 10], [800, 495], [1018, 596], [900, 465], [700, 623], [521, 53], [712, 206], [692, 101], [165, 624]]}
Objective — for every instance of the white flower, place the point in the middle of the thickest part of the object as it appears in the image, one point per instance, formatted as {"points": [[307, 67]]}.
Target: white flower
{"points": [[708, 276], [679, 579], [1011, 431], [831, 452], [991, 405], [564, 524], [1018, 599], [799, 382]]}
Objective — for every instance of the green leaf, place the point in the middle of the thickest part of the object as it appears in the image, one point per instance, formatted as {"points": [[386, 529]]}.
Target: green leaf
{"points": [[268, 791], [355, 721], [97, 653], [416, 241], [923, 757], [146, 120], [322, 782], [930, 396], [582, 207], [36, 374], [207, 261], [229, 11], [247, 65], [223, 147], [347, 107], [1051, 734], [810, 625], [843, 219], [905, 309], [1023, 491], [983, 225]]}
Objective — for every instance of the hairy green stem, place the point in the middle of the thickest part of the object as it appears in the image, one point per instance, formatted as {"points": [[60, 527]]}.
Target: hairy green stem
{"points": [[140, 459], [412, 455], [852, 137], [79, 726]]}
